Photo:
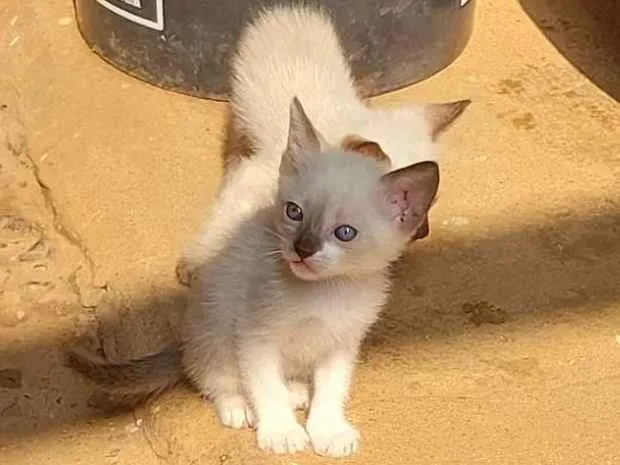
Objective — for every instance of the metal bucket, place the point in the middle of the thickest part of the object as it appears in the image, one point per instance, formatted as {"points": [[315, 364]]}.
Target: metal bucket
{"points": [[185, 45]]}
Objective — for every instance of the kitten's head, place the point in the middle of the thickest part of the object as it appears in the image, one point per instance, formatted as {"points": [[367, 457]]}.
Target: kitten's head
{"points": [[339, 213]]}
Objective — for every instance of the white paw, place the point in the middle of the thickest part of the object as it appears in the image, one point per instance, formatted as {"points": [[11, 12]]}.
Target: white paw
{"points": [[234, 412], [298, 395], [334, 439], [282, 438]]}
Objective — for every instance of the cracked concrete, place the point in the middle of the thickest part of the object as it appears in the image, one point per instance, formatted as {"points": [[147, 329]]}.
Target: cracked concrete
{"points": [[17, 143], [500, 342]]}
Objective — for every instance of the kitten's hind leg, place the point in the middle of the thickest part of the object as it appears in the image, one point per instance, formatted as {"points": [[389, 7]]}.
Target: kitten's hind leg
{"points": [[234, 412], [231, 407], [196, 253], [201, 248], [212, 370]]}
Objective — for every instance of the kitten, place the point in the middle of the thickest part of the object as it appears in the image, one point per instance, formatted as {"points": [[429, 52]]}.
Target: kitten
{"points": [[295, 51], [281, 309]]}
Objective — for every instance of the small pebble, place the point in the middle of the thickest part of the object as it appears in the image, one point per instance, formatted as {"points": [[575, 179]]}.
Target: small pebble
{"points": [[9, 300], [131, 428], [14, 41], [65, 21], [91, 297], [456, 221], [13, 21], [5, 275], [618, 339]]}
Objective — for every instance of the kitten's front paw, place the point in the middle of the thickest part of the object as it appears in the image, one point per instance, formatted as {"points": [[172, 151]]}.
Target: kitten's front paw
{"points": [[333, 439], [282, 438]]}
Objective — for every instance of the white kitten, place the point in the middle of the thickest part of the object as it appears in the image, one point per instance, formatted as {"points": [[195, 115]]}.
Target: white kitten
{"points": [[282, 307], [288, 52]]}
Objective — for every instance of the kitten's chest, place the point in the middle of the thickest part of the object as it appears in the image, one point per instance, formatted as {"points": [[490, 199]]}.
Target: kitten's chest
{"points": [[324, 319]]}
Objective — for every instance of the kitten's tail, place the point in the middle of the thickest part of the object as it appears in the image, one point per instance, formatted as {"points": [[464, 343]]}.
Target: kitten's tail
{"points": [[125, 385]]}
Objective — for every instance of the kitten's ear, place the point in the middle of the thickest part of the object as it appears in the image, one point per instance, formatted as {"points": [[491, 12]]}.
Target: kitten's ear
{"points": [[302, 137], [410, 193], [440, 116], [367, 148], [423, 230]]}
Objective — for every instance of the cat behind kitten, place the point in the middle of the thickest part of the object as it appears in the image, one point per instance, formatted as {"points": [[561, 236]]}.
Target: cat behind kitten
{"points": [[295, 51]]}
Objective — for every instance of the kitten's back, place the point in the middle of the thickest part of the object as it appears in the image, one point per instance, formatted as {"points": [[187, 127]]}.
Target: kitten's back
{"points": [[288, 52]]}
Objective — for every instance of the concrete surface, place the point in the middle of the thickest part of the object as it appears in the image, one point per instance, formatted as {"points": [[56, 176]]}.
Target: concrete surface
{"points": [[502, 342]]}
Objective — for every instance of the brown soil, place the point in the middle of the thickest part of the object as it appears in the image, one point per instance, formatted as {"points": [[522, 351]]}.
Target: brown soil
{"points": [[501, 344]]}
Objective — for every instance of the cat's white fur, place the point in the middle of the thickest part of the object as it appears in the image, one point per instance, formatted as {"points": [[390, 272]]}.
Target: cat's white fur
{"points": [[288, 52]]}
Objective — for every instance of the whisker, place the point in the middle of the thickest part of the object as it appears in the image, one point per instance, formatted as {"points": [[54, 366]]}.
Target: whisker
{"points": [[273, 233], [274, 253]]}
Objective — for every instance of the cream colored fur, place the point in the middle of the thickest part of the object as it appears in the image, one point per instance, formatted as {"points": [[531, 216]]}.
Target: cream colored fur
{"points": [[290, 52]]}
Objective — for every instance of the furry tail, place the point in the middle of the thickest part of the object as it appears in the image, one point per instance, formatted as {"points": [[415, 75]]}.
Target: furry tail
{"points": [[289, 51], [125, 385]]}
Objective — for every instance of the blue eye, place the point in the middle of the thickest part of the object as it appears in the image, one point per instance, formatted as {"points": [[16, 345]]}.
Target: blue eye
{"points": [[294, 212], [345, 233]]}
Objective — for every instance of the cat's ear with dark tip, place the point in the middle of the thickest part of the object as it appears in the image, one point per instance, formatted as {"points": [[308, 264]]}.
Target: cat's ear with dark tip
{"points": [[410, 193], [440, 116], [367, 148]]}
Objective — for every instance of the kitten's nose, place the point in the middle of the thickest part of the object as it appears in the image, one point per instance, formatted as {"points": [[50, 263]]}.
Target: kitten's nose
{"points": [[307, 245]]}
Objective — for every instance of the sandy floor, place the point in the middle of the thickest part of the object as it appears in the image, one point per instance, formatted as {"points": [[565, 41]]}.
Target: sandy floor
{"points": [[502, 342]]}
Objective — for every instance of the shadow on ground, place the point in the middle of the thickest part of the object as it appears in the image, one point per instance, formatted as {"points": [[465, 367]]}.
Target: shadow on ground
{"points": [[587, 33], [566, 268]]}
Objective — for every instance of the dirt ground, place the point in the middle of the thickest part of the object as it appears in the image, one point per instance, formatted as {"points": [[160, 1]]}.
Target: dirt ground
{"points": [[501, 344]]}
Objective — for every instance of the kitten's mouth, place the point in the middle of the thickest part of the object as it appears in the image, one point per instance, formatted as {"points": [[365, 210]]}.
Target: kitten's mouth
{"points": [[302, 270]]}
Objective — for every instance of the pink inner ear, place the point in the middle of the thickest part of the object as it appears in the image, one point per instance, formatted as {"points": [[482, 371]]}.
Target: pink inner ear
{"points": [[400, 206], [410, 193]]}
